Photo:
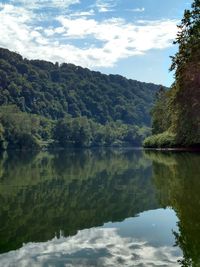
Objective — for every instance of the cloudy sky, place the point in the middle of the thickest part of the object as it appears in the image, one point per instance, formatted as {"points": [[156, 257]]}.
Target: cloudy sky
{"points": [[128, 37]]}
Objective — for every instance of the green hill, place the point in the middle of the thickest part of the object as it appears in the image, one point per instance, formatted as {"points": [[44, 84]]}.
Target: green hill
{"points": [[58, 91], [53, 91]]}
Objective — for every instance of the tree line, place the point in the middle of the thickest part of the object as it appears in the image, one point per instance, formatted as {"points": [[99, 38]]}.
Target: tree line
{"points": [[53, 91], [21, 130], [44, 104]]}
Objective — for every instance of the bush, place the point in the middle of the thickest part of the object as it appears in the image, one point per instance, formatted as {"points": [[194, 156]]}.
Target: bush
{"points": [[162, 140]]}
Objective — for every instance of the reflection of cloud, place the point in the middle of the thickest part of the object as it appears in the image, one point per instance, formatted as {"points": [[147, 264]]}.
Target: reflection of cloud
{"points": [[108, 41], [94, 247]]}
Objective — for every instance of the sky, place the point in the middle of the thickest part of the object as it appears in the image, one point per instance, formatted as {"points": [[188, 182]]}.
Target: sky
{"points": [[133, 38]]}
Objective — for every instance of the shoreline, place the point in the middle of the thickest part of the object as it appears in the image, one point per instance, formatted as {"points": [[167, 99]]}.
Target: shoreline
{"points": [[175, 149], [166, 149]]}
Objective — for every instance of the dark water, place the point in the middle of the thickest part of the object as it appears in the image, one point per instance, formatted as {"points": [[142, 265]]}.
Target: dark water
{"points": [[100, 208]]}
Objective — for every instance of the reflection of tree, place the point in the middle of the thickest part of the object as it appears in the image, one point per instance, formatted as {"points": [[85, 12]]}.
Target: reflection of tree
{"points": [[45, 193], [177, 179]]}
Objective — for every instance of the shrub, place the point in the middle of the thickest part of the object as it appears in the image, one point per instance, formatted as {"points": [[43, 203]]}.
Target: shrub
{"points": [[162, 140]]}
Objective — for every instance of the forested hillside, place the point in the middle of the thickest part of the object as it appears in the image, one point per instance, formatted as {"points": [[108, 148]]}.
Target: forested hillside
{"points": [[69, 104], [53, 91], [176, 114]]}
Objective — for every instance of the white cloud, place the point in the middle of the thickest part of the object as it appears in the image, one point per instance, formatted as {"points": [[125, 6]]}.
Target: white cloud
{"points": [[105, 6], [83, 13], [93, 247], [137, 9], [44, 3], [109, 40]]}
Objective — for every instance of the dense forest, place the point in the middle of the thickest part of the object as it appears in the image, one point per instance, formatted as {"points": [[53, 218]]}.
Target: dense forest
{"points": [[44, 104], [176, 114]]}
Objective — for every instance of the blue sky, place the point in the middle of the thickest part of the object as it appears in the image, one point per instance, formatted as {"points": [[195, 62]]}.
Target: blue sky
{"points": [[128, 37]]}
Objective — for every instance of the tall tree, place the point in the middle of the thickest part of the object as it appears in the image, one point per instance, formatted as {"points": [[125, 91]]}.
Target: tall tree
{"points": [[186, 90], [182, 104]]}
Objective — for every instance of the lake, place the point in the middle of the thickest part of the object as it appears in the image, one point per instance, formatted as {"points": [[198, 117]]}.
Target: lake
{"points": [[101, 207]]}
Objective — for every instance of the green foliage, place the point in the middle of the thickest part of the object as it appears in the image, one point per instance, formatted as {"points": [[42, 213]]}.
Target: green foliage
{"points": [[83, 132], [46, 104], [161, 116], [186, 97], [2, 140], [187, 39], [73, 131], [54, 91], [163, 140], [178, 111], [21, 130]]}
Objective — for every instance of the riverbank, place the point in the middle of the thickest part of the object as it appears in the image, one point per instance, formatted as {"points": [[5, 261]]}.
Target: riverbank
{"points": [[175, 149], [168, 141]]}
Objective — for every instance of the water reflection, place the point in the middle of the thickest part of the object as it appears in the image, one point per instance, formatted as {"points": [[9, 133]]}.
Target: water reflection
{"points": [[46, 193], [107, 246], [88, 195], [177, 179]]}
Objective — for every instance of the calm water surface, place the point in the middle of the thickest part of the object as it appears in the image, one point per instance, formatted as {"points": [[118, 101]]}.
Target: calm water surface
{"points": [[99, 208]]}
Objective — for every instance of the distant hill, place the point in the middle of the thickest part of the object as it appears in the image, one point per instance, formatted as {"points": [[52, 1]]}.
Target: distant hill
{"points": [[42, 103], [54, 90]]}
